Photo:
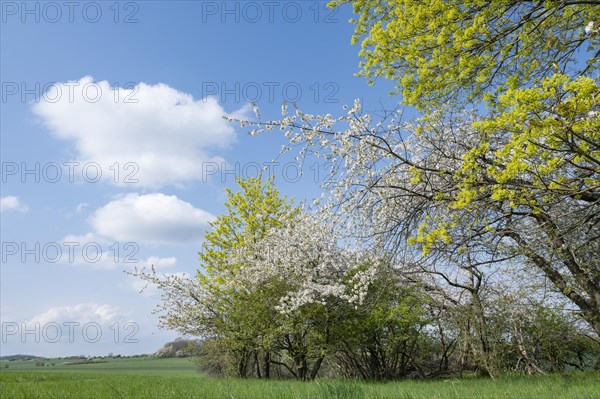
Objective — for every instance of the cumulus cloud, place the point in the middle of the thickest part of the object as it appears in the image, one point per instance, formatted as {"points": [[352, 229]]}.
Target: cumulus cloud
{"points": [[12, 203], [95, 252], [158, 135], [121, 229], [81, 313], [150, 219], [84, 323]]}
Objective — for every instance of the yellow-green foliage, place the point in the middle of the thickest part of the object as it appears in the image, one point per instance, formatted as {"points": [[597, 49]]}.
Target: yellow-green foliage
{"points": [[440, 50], [242, 318], [250, 214], [534, 66], [546, 143]]}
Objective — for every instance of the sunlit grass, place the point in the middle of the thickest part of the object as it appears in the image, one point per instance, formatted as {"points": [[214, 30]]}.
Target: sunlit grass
{"points": [[177, 378]]}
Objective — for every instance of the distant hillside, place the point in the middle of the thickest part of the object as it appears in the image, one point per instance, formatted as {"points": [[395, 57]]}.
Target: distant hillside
{"points": [[19, 357]]}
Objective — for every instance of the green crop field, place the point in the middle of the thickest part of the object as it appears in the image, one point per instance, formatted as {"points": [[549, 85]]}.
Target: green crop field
{"points": [[177, 378], [136, 366]]}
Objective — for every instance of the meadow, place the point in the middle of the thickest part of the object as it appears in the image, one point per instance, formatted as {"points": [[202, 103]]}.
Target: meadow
{"points": [[177, 378]]}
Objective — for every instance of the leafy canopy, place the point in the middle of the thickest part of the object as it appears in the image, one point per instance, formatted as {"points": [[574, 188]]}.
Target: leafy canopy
{"points": [[251, 213], [442, 51]]}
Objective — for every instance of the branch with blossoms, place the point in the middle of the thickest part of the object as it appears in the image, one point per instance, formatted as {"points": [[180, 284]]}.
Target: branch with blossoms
{"points": [[469, 192], [306, 258]]}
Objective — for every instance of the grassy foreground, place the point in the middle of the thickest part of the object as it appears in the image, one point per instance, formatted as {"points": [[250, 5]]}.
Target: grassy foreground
{"points": [[176, 378]]}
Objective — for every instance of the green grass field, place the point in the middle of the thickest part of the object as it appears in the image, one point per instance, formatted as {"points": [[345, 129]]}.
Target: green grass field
{"points": [[177, 378], [133, 366]]}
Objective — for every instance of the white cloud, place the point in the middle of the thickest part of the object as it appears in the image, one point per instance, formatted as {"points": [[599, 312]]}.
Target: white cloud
{"points": [[160, 263], [12, 203], [166, 133], [71, 329], [81, 313], [150, 219], [96, 252]]}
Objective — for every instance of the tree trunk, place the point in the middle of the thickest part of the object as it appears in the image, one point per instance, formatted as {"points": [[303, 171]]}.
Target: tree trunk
{"points": [[243, 366], [316, 367], [267, 360], [257, 365]]}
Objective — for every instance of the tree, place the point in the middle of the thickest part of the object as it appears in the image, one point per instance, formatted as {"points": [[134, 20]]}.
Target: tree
{"points": [[273, 280], [449, 52], [211, 306], [521, 182], [537, 169], [445, 186], [313, 279], [383, 337], [241, 318]]}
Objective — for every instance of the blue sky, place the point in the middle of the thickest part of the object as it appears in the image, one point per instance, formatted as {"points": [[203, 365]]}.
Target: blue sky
{"points": [[136, 91]]}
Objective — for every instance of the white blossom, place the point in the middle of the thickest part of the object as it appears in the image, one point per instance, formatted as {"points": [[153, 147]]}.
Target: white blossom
{"points": [[589, 28], [307, 258]]}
